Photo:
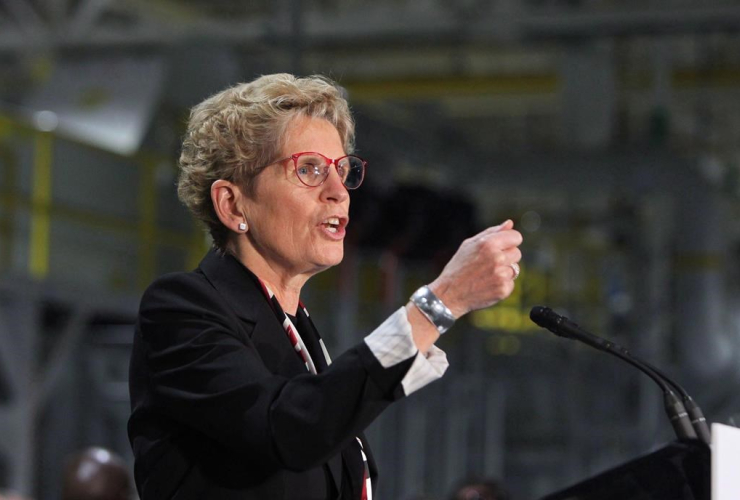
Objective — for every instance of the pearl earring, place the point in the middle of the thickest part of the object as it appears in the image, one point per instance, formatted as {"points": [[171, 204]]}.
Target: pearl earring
{"points": [[242, 226]]}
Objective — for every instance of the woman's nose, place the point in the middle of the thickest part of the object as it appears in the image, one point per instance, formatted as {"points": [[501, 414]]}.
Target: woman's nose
{"points": [[333, 189]]}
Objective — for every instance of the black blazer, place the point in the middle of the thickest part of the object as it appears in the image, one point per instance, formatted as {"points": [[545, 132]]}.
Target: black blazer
{"points": [[223, 407]]}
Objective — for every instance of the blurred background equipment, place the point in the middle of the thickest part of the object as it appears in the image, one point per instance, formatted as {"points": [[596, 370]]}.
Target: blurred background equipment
{"points": [[107, 101], [608, 130]]}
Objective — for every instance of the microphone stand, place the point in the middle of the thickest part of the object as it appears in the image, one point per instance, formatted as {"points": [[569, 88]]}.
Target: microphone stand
{"points": [[683, 425]]}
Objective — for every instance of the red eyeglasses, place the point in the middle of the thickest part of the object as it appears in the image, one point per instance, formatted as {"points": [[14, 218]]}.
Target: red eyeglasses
{"points": [[312, 169]]}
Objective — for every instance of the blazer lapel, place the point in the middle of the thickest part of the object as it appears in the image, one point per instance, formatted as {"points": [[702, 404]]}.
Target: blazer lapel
{"points": [[241, 289], [311, 337]]}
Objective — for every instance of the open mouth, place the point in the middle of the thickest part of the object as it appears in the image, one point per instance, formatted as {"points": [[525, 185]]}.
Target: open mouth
{"points": [[331, 224], [335, 224]]}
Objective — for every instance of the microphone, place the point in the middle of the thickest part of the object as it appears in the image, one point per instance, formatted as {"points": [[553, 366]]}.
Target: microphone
{"points": [[698, 421], [685, 426]]}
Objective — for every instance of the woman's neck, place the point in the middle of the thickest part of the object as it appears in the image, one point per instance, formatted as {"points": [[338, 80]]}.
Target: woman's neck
{"points": [[287, 294], [286, 285]]}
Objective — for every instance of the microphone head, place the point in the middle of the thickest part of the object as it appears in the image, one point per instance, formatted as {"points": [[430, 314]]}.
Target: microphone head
{"points": [[550, 320], [542, 316]]}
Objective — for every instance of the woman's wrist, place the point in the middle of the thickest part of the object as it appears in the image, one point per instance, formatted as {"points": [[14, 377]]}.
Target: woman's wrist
{"points": [[423, 331], [433, 309], [442, 291]]}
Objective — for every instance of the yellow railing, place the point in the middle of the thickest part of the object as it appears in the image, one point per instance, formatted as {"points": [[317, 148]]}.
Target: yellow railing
{"points": [[38, 262], [39, 203]]}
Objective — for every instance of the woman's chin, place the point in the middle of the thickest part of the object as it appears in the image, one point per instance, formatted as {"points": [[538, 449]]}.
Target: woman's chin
{"points": [[330, 259]]}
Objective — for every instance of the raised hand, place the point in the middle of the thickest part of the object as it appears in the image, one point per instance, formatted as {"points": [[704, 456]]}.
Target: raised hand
{"points": [[482, 271]]}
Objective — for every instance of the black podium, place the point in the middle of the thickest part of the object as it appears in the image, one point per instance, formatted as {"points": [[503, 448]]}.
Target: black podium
{"points": [[678, 471]]}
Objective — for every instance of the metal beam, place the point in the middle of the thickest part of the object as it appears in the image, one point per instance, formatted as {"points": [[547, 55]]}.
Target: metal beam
{"points": [[24, 14], [368, 25], [21, 321], [59, 360], [10, 371], [57, 11], [32, 383], [88, 12], [649, 21]]}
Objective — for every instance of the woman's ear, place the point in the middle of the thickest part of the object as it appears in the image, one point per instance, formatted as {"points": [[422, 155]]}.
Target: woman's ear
{"points": [[226, 198]]}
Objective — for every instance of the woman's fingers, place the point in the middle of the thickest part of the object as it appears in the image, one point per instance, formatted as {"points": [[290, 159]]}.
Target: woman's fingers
{"points": [[513, 255], [481, 272], [504, 226], [504, 238]]}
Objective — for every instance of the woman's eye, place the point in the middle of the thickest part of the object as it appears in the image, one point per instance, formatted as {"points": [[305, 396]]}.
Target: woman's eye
{"points": [[307, 169]]}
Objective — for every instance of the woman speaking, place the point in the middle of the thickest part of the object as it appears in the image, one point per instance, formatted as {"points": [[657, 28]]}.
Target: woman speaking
{"points": [[233, 394]]}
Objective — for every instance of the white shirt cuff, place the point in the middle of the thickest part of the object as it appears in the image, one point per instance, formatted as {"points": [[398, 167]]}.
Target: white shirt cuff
{"points": [[392, 343]]}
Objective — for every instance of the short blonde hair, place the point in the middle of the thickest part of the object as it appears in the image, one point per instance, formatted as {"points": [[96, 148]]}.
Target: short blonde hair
{"points": [[235, 134]]}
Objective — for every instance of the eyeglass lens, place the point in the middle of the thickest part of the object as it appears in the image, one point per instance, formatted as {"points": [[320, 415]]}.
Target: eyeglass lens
{"points": [[313, 169]]}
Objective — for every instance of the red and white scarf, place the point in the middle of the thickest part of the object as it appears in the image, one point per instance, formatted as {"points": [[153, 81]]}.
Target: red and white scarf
{"points": [[295, 338], [300, 347]]}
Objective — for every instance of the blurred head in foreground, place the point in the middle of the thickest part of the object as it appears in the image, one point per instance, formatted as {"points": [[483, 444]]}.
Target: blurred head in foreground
{"points": [[96, 474], [481, 490]]}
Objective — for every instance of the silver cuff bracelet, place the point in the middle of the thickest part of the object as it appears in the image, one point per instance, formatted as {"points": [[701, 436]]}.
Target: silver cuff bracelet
{"points": [[433, 308]]}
